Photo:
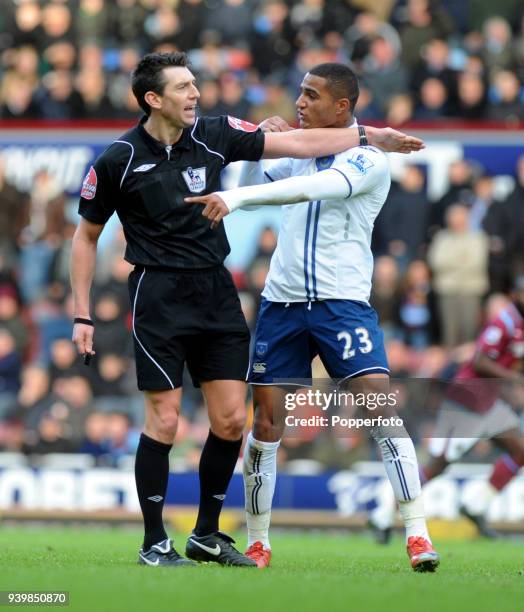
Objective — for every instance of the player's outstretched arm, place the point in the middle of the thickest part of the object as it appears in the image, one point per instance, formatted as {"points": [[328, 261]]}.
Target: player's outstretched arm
{"points": [[326, 185], [318, 142]]}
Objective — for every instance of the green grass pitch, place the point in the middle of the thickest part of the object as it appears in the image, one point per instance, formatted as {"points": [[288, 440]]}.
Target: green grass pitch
{"points": [[310, 571]]}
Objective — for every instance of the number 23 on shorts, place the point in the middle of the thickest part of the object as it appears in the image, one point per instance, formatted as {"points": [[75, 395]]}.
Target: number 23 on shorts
{"points": [[365, 344]]}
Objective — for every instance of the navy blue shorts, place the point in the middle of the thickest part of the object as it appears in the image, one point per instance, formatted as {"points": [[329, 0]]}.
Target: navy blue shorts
{"points": [[344, 333]]}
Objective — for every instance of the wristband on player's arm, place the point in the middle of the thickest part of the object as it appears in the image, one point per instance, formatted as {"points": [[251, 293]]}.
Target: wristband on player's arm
{"points": [[329, 184], [363, 137], [83, 321]]}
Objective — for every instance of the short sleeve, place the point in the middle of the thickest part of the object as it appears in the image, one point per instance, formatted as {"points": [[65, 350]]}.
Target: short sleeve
{"points": [[242, 140], [364, 168], [494, 339], [98, 195]]}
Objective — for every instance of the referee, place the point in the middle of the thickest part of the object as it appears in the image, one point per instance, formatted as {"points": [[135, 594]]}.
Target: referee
{"points": [[184, 304]]}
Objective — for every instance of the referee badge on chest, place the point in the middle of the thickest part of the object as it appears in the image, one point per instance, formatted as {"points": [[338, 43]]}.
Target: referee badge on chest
{"points": [[195, 179]]}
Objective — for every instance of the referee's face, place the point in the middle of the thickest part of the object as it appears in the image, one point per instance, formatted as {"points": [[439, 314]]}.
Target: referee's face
{"points": [[178, 102]]}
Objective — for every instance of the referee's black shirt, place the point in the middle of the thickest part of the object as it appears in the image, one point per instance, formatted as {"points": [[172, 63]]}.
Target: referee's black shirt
{"points": [[146, 183]]}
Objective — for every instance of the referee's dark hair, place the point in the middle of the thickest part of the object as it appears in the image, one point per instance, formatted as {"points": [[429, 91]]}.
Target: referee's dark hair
{"points": [[149, 76], [342, 82]]}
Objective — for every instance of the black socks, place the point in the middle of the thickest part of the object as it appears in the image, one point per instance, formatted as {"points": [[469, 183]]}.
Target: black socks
{"points": [[217, 464], [151, 476]]}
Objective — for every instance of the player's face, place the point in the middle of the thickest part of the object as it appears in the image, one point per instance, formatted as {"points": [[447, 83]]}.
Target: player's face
{"points": [[178, 102], [316, 107]]}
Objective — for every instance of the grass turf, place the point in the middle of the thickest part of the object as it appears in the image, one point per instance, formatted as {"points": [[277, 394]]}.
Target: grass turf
{"points": [[310, 571]]}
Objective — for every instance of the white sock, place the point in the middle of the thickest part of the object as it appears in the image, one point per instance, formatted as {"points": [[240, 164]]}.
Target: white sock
{"points": [[477, 499], [414, 518], [260, 474], [400, 461]]}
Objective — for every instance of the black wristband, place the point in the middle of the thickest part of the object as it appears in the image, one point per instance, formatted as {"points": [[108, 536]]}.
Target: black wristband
{"points": [[83, 321], [363, 137]]}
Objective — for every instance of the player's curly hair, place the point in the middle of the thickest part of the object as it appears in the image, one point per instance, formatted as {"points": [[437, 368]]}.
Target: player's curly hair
{"points": [[342, 82], [149, 76]]}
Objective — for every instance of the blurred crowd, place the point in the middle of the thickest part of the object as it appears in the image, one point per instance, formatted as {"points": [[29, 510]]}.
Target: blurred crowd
{"points": [[424, 60], [442, 269]]}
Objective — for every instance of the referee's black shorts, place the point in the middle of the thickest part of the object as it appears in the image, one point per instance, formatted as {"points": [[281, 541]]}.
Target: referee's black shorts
{"points": [[191, 316]]}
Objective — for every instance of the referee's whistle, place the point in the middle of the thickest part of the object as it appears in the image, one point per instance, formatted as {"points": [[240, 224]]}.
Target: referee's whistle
{"points": [[87, 358]]}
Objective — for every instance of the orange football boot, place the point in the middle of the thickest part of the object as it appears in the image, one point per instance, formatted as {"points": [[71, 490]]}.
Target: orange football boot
{"points": [[260, 555], [422, 555]]}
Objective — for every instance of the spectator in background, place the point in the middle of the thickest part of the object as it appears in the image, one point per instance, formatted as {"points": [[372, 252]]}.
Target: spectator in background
{"points": [[461, 175], [92, 87], [232, 18], [365, 107], [232, 100], [118, 83], [385, 295], [10, 369], [497, 50], [271, 40], [92, 21], [74, 405], [95, 441], [506, 106], [415, 307], [426, 21], [59, 99], [127, 22], [458, 259], [433, 101], [384, 74], [112, 380], [471, 97], [52, 437], [27, 28], [401, 226], [13, 216], [12, 319], [364, 30], [122, 437], [17, 99], [209, 101], [435, 64], [40, 238], [110, 318], [277, 101], [63, 362], [400, 110], [509, 226], [483, 199]]}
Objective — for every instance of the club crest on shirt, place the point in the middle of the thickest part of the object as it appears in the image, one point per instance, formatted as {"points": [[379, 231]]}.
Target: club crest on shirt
{"points": [[89, 185], [360, 162], [260, 349], [240, 124], [195, 179]]}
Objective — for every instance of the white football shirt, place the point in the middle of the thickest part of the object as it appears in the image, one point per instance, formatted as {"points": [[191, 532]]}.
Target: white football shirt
{"points": [[324, 247]]}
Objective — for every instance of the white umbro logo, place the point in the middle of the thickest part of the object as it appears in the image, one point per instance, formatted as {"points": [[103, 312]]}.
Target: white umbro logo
{"points": [[220, 497], [144, 167], [156, 498]]}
